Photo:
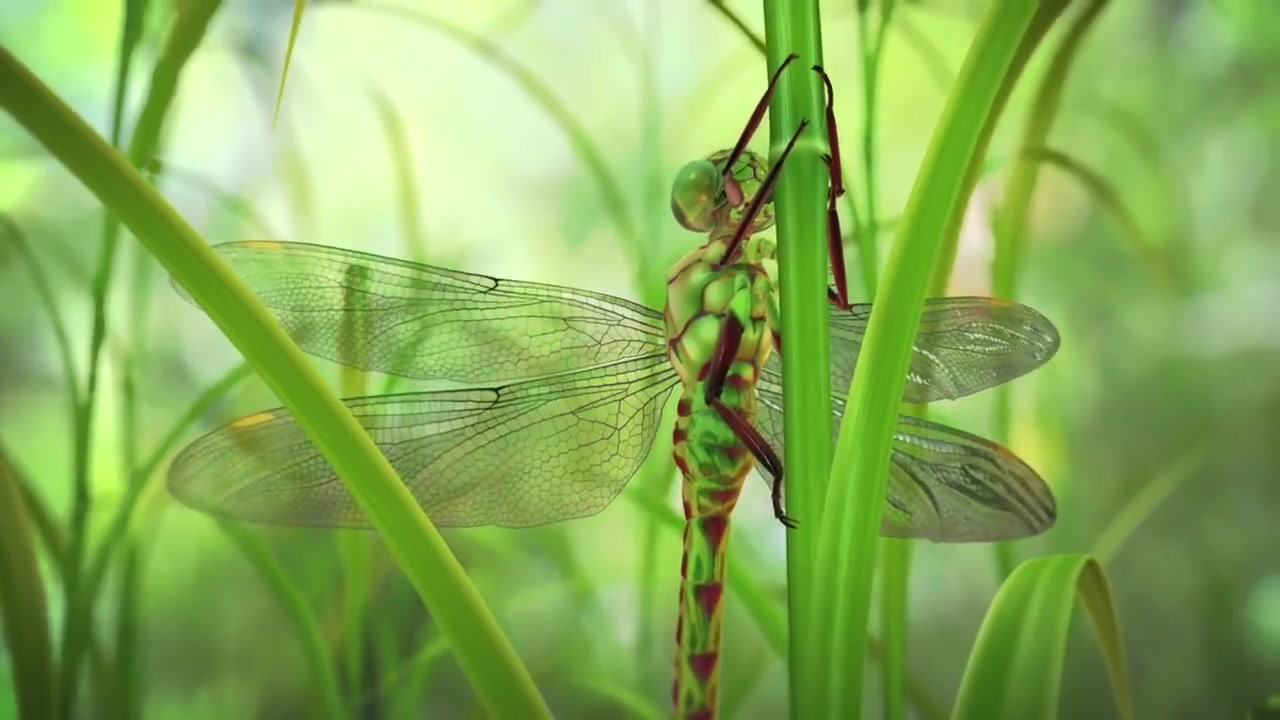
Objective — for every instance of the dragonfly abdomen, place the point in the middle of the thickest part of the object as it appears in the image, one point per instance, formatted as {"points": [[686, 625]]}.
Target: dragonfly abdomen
{"points": [[698, 631]]}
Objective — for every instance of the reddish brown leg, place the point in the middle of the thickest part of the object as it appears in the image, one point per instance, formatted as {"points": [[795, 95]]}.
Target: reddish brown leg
{"points": [[726, 351], [757, 116], [717, 373], [835, 247], [763, 453], [762, 196]]}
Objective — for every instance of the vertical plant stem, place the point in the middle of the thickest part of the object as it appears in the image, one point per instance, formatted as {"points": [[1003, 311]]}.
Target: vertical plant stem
{"points": [[296, 608], [895, 569], [800, 202], [895, 557], [188, 31], [846, 549], [127, 697]]}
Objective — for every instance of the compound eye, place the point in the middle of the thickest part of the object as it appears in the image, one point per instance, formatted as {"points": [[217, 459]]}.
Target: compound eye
{"points": [[696, 194]]}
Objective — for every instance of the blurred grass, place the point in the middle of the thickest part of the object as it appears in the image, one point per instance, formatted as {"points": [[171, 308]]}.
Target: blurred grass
{"points": [[22, 605], [485, 654], [1108, 422], [296, 607], [186, 34], [1010, 223]]}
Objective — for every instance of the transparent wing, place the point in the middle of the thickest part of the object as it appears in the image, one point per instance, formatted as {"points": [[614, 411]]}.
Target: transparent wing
{"points": [[964, 345], [945, 485], [417, 321], [523, 454]]}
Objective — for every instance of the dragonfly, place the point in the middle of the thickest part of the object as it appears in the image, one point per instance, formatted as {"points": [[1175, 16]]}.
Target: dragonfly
{"points": [[563, 393]]}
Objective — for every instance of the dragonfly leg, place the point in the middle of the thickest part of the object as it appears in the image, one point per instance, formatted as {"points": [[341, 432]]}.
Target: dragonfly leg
{"points": [[835, 248], [763, 453], [717, 373], [762, 196], [757, 116], [726, 351]]}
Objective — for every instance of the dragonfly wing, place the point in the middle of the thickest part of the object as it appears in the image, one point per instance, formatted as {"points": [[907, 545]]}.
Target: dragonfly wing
{"points": [[523, 454], [417, 321], [944, 484], [964, 345]]}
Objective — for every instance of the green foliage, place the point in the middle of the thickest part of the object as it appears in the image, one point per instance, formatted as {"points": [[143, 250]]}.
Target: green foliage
{"points": [[486, 654], [1145, 242], [1016, 666]]}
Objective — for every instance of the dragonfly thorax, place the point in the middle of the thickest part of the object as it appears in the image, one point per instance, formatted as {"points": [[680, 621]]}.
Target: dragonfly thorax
{"points": [[705, 196]]}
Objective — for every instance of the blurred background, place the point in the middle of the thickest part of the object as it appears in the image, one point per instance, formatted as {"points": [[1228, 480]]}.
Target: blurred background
{"points": [[536, 139]]}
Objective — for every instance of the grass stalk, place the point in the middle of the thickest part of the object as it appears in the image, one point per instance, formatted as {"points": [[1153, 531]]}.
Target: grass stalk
{"points": [[849, 533], [186, 35], [485, 654], [793, 26], [295, 606]]}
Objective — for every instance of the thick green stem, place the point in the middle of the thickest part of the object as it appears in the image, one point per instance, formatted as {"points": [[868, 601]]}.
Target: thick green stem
{"points": [[792, 26]]}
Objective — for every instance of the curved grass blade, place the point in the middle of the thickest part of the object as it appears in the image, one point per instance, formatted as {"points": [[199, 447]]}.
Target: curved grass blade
{"points": [[500, 680], [1109, 197], [295, 606], [846, 549], [1144, 503], [22, 603], [299, 8], [524, 454], [1015, 669], [615, 199], [185, 36]]}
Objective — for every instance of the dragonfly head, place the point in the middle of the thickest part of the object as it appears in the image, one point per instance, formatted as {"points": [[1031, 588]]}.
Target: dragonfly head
{"points": [[705, 195]]}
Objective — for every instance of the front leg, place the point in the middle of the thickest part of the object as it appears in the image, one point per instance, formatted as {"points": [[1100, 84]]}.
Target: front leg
{"points": [[717, 373]]}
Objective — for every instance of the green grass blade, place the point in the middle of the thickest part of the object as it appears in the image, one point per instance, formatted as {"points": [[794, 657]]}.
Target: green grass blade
{"points": [[48, 302], [118, 527], [1145, 502], [127, 693], [186, 34], [1015, 669], [295, 606], [1108, 196], [800, 205], [738, 23], [485, 654], [299, 8], [406, 183], [615, 199], [854, 504], [22, 604], [895, 569]]}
